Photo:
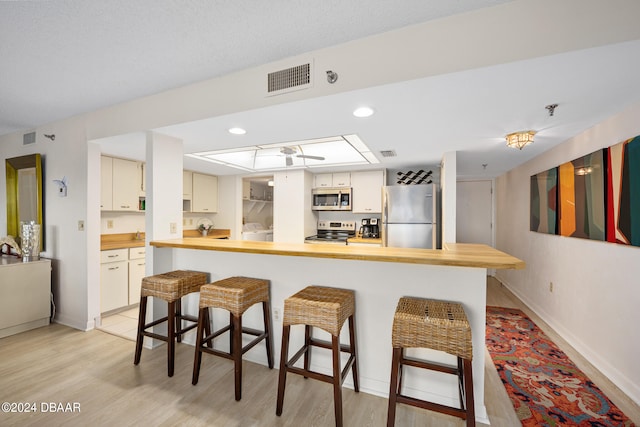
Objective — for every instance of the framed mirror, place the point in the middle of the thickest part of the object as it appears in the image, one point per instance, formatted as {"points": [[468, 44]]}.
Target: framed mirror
{"points": [[24, 193]]}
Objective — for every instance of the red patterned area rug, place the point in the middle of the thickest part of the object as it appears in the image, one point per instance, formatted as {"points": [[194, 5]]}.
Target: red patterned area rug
{"points": [[545, 387]]}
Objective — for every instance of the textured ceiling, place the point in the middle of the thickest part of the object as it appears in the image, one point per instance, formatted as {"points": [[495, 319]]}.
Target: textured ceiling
{"points": [[63, 58]]}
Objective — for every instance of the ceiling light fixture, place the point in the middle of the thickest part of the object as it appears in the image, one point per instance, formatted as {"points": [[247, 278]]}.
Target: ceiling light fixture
{"points": [[363, 112], [237, 131], [520, 139]]}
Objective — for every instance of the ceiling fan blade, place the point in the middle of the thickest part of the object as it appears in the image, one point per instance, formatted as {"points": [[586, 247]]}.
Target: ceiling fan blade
{"points": [[289, 161], [304, 156]]}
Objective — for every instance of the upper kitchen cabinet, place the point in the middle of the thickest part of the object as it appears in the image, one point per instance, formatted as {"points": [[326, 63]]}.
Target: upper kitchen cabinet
{"points": [[126, 185], [367, 191], [106, 183], [342, 179], [187, 190], [205, 193], [121, 184]]}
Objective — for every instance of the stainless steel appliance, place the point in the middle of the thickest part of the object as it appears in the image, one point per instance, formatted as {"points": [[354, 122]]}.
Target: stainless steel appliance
{"points": [[331, 199], [409, 216], [370, 228], [333, 232]]}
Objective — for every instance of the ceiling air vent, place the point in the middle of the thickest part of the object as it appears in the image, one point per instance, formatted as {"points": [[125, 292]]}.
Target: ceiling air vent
{"points": [[388, 153], [288, 80], [29, 138]]}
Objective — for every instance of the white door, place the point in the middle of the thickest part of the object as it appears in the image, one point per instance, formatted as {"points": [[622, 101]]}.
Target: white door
{"points": [[474, 212]]}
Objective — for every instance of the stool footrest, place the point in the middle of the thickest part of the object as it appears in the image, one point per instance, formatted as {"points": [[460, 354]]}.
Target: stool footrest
{"points": [[434, 366], [317, 375], [259, 337], [326, 344], [443, 409]]}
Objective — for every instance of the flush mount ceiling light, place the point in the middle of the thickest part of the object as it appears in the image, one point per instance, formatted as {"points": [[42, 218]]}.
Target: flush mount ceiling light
{"points": [[363, 112], [237, 131], [520, 139], [312, 153]]}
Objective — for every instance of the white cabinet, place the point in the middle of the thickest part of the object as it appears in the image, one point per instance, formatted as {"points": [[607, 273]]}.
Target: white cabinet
{"points": [[25, 295], [106, 183], [136, 273], [205, 193], [122, 184], [125, 185], [114, 279], [187, 185], [342, 179], [367, 191]]}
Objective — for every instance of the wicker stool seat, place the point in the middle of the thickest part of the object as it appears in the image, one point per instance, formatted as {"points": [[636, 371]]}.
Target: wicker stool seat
{"points": [[327, 309], [437, 325], [170, 287], [236, 295]]}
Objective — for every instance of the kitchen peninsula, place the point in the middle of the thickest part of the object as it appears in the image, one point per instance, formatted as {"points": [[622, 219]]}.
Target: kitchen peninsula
{"points": [[380, 276]]}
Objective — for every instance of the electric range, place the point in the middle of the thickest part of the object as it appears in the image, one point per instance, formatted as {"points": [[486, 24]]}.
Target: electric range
{"points": [[333, 232]]}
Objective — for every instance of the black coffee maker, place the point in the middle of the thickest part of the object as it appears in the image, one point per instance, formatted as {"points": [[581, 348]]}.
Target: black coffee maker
{"points": [[370, 228]]}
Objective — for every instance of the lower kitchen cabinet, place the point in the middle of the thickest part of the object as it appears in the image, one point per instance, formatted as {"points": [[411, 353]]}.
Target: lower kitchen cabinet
{"points": [[114, 279], [121, 273], [136, 273]]}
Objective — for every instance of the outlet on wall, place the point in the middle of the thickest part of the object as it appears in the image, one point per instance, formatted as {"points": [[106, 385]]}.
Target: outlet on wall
{"points": [[550, 286], [173, 228], [109, 223], [277, 314]]}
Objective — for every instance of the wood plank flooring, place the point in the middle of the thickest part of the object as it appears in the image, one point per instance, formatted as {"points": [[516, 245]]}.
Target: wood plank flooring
{"points": [[95, 369]]}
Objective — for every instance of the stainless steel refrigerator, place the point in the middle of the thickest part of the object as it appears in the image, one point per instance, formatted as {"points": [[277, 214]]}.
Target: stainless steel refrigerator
{"points": [[409, 214]]}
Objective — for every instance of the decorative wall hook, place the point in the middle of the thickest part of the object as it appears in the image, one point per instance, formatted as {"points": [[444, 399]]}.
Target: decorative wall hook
{"points": [[52, 136], [62, 186]]}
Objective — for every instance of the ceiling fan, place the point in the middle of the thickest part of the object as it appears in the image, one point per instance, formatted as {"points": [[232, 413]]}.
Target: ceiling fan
{"points": [[289, 151]]}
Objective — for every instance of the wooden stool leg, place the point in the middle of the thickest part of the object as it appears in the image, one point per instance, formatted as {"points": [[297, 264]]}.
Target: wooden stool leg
{"points": [[142, 314], [266, 314], [337, 380], [171, 337], [207, 326], [178, 320], [468, 393], [307, 343], [393, 387], [282, 376], [202, 318], [237, 354], [353, 350]]}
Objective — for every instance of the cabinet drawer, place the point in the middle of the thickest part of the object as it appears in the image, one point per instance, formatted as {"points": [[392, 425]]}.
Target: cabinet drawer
{"points": [[137, 253], [114, 255]]}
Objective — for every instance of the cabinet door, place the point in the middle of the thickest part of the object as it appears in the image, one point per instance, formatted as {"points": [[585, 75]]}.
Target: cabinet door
{"points": [[187, 185], [125, 185], [367, 191], [142, 182], [205, 193], [323, 180], [136, 273], [114, 285], [341, 179], [106, 183]]}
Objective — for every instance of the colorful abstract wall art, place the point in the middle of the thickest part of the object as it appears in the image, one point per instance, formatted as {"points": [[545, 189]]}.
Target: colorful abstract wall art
{"points": [[623, 192], [544, 196], [596, 196], [581, 197]]}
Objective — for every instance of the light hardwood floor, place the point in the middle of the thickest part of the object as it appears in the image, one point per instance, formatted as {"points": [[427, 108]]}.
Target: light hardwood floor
{"points": [[95, 369]]}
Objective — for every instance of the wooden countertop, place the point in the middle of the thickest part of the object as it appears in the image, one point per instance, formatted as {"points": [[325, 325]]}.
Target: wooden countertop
{"points": [[459, 255], [368, 240], [137, 240]]}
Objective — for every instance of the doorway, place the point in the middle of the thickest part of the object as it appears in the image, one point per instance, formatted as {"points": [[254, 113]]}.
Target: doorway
{"points": [[474, 212], [257, 208]]}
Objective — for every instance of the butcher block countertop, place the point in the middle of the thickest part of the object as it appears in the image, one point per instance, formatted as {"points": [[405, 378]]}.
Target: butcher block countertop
{"points": [[137, 240], [459, 255]]}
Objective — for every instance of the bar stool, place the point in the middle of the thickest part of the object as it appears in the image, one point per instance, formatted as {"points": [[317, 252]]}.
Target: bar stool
{"points": [[327, 309], [170, 287], [236, 295], [438, 325]]}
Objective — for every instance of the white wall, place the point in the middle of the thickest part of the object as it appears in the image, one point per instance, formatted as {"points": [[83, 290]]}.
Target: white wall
{"points": [[596, 292]]}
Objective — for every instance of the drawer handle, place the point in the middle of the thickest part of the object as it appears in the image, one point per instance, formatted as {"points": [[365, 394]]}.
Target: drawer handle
{"points": [[113, 256], [113, 268], [124, 207]]}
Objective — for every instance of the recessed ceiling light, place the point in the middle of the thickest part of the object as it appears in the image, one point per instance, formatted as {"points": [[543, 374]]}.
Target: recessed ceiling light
{"points": [[363, 112], [237, 131]]}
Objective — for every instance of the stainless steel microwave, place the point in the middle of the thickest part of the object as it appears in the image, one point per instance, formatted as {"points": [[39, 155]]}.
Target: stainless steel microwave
{"points": [[331, 199]]}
